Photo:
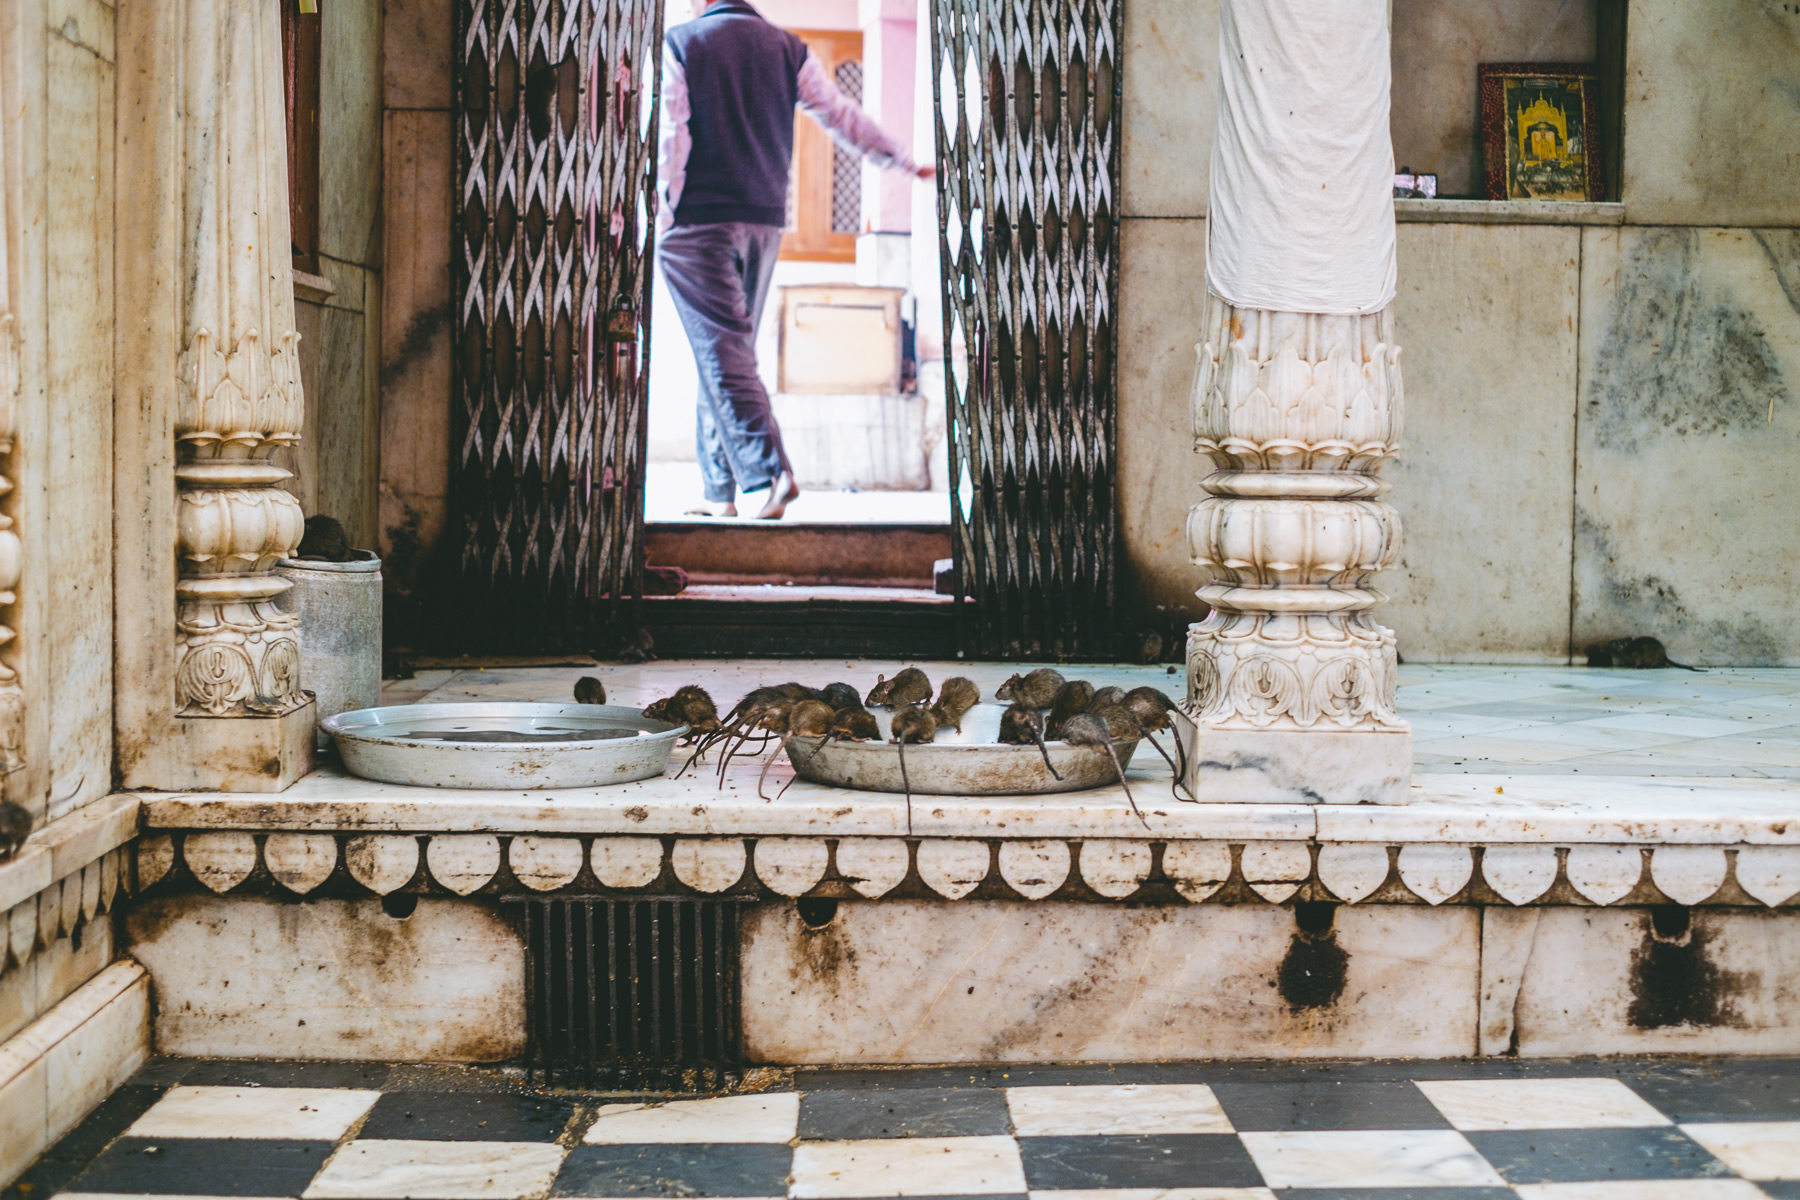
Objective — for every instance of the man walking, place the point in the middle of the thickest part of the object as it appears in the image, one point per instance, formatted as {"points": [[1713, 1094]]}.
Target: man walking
{"points": [[730, 84]]}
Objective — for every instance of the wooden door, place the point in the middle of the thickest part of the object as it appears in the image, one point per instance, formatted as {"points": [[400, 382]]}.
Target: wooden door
{"points": [[825, 189]]}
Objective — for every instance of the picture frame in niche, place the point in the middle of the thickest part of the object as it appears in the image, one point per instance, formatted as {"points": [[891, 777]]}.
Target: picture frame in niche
{"points": [[1540, 131]]}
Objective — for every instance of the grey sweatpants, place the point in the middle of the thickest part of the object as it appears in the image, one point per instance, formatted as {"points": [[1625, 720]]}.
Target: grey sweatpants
{"points": [[718, 276]]}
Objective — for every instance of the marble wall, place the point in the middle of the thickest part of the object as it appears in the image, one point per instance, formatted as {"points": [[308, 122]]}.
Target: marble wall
{"points": [[257, 978], [337, 463], [1688, 429], [1581, 459], [1712, 112], [983, 981], [1715, 982]]}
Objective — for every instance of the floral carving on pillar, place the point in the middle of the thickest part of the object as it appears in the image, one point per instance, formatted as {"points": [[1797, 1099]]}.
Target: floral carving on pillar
{"points": [[241, 401], [1297, 412]]}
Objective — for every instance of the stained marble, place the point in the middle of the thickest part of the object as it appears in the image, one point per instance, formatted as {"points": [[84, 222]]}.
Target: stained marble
{"points": [[985, 981], [1689, 420]]}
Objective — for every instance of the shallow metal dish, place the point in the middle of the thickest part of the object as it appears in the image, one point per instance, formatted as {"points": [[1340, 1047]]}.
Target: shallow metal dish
{"points": [[496, 744], [970, 763]]}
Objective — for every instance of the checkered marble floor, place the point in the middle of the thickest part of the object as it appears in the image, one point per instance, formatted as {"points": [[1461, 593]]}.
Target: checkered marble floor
{"points": [[1663, 1129]]}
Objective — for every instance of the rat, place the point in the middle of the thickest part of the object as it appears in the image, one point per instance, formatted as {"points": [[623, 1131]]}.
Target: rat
{"points": [[807, 718], [841, 696], [878, 695], [15, 827], [1035, 690], [324, 540], [852, 723], [955, 698], [1105, 696], [1022, 725], [691, 706], [589, 690], [909, 687], [1071, 698], [1633, 654], [1124, 725], [912, 724], [1154, 712], [1090, 732]]}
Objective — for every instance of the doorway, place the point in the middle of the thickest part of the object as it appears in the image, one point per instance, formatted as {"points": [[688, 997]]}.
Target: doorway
{"points": [[857, 390], [978, 517]]}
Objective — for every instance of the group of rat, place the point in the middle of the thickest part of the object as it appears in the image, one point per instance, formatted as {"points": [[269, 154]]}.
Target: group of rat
{"points": [[1042, 705]]}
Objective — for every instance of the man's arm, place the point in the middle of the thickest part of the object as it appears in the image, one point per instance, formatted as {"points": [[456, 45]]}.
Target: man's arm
{"points": [[674, 141], [849, 126]]}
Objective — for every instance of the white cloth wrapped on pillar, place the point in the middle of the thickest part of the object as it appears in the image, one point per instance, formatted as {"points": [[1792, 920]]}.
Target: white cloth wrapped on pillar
{"points": [[1302, 211]]}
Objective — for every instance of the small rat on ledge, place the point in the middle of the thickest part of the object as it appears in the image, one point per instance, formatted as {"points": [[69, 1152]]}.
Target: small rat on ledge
{"points": [[1632, 654]]}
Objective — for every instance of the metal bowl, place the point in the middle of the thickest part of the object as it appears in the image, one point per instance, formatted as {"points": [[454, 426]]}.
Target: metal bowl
{"points": [[495, 744], [969, 763]]}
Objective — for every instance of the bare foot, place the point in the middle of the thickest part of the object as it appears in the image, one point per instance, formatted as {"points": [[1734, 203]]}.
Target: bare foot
{"points": [[727, 509], [782, 492]]}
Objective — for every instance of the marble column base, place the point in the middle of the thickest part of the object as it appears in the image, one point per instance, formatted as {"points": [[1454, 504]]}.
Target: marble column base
{"points": [[1288, 766], [223, 754]]}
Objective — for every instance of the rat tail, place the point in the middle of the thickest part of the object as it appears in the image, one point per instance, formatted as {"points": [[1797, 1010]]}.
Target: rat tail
{"points": [[801, 765], [1120, 768], [767, 763], [1045, 751], [905, 780]]}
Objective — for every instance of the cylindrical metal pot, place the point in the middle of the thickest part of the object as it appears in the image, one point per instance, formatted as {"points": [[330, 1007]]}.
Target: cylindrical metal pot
{"points": [[339, 605]]}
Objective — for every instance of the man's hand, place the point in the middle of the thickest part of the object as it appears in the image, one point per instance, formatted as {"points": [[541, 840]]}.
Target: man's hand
{"points": [[926, 172]]}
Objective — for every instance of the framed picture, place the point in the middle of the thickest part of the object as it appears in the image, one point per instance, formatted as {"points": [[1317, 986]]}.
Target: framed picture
{"points": [[1539, 131]]}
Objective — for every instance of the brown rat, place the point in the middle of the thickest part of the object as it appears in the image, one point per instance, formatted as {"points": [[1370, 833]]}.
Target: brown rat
{"points": [[1034, 690], [878, 695], [1105, 696], [1071, 698], [1155, 713], [691, 706], [807, 718], [911, 724], [910, 686], [1022, 725], [589, 690], [852, 723], [956, 697], [1090, 732]]}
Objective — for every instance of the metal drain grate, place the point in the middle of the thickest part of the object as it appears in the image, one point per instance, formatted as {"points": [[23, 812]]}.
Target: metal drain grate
{"points": [[632, 994]]}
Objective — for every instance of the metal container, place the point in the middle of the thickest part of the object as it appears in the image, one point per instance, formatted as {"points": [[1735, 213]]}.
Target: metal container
{"points": [[969, 763], [339, 605], [495, 744]]}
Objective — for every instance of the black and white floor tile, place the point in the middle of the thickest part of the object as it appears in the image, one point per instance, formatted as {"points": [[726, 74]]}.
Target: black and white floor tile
{"points": [[1591, 1130]]}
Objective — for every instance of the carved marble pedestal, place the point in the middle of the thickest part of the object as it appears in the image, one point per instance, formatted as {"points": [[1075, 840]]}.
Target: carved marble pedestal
{"points": [[1290, 681]]}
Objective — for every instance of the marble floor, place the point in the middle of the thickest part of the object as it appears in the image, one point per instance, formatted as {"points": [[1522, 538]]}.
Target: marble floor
{"points": [[1621, 1129], [1478, 720]]}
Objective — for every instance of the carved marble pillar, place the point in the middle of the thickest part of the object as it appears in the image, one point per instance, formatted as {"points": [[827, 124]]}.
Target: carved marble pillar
{"points": [[1290, 680], [1297, 403], [215, 697], [12, 694]]}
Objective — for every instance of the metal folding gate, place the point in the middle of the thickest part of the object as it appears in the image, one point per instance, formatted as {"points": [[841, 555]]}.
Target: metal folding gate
{"points": [[551, 265], [1027, 103], [632, 994]]}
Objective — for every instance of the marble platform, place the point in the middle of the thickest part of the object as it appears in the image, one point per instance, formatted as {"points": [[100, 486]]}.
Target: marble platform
{"points": [[1587, 862]]}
